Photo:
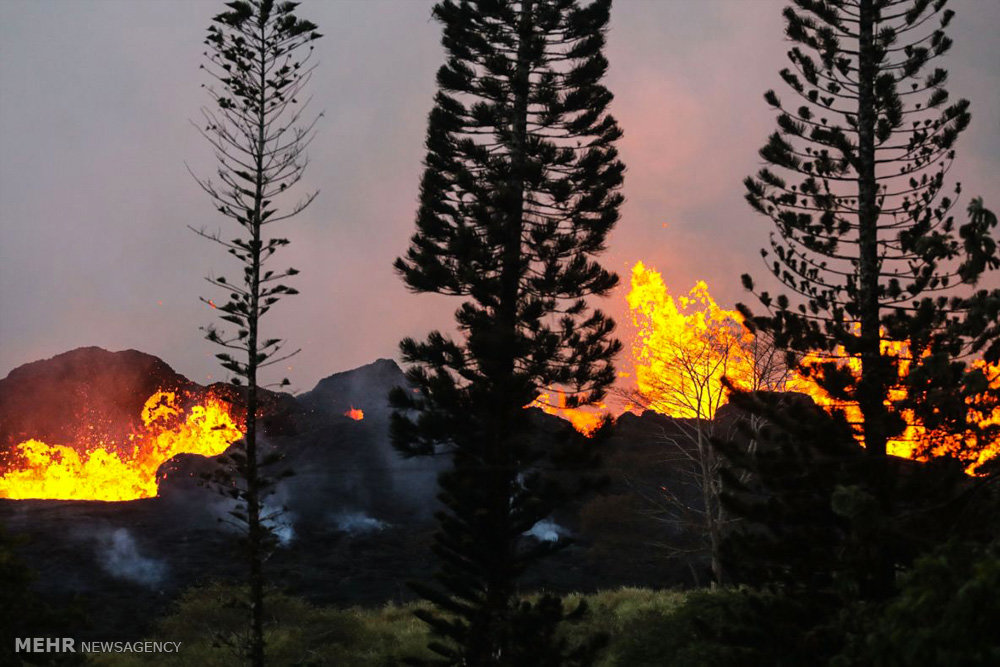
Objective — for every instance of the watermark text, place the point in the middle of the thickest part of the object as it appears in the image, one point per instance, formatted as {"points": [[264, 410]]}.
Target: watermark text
{"points": [[69, 645]]}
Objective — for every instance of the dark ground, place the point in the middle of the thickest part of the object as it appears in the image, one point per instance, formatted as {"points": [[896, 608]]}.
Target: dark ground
{"points": [[359, 523]]}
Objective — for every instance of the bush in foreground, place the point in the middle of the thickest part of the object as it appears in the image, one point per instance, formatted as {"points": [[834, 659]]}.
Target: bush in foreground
{"points": [[298, 633], [207, 622], [943, 615]]}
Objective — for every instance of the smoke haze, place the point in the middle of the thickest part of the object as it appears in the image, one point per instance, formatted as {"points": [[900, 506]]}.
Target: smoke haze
{"points": [[95, 102]]}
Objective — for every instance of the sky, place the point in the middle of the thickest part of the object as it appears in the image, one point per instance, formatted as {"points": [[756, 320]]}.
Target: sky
{"points": [[96, 103]]}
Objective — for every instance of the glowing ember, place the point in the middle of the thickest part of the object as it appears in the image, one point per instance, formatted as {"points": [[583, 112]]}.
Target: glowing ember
{"points": [[684, 348], [355, 414], [102, 470], [584, 420]]}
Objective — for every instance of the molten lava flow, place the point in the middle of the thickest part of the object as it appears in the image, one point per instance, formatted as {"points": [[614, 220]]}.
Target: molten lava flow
{"points": [[100, 470], [801, 381], [684, 348], [584, 421], [355, 414], [916, 441]]}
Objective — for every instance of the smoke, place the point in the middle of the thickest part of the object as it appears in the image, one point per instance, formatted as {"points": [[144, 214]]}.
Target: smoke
{"points": [[281, 522], [546, 530], [119, 556], [357, 523]]}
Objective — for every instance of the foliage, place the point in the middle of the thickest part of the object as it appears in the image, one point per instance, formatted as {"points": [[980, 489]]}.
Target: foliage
{"points": [[721, 628], [617, 614], [877, 267], [812, 529], [518, 195], [810, 520], [297, 633], [24, 614], [944, 614], [254, 129], [305, 634], [784, 490]]}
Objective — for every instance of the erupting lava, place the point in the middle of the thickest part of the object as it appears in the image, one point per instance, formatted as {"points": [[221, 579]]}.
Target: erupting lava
{"points": [[584, 421], [88, 470], [355, 413], [685, 347], [916, 442]]}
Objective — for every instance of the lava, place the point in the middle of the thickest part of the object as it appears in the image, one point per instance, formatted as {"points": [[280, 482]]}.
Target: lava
{"points": [[916, 441], [586, 421], [89, 469], [685, 347], [355, 413]]}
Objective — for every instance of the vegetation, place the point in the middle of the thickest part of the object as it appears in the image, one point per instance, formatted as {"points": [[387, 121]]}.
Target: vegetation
{"points": [[254, 128], [879, 272], [23, 613], [301, 633], [943, 616], [519, 194], [944, 613], [866, 243]]}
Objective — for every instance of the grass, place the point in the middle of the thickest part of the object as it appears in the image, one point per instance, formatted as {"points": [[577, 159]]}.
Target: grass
{"points": [[208, 620]]}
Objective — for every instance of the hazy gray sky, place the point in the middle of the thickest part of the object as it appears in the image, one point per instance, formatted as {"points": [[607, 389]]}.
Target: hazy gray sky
{"points": [[95, 200]]}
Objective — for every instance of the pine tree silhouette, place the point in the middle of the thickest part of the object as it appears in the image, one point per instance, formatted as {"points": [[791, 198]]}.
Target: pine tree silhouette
{"points": [[519, 193]]}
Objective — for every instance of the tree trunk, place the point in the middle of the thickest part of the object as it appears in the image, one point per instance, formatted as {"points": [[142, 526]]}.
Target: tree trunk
{"points": [[254, 528], [710, 497], [874, 381], [871, 389], [499, 462]]}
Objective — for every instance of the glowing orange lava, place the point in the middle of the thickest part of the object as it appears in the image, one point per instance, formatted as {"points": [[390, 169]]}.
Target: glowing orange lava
{"points": [[916, 442], [584, 420], [685, 346], [355, 414], [101, 470]]}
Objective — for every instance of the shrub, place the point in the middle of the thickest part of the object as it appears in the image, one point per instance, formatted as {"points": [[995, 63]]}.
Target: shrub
{"points": [[945, 613]]}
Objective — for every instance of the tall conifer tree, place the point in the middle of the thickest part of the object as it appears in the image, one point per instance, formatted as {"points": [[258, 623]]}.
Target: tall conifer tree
{"points": [[866, 242], [254, 125], [519, 193]]}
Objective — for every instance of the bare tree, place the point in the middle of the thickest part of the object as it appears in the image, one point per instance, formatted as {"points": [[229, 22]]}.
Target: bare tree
{"points": [[682, 371]]}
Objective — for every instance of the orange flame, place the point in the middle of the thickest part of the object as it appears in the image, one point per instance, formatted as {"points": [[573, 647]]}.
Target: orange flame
{"points": [[355, 414], [120, 471]]}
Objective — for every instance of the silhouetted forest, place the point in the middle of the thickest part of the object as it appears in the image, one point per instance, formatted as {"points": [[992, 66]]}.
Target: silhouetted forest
{"points": [[808, 478]]}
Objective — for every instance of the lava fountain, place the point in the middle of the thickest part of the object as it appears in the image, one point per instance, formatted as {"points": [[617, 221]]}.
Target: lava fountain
{"points": [[683, 349], [96, 467], [686, 346]]}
